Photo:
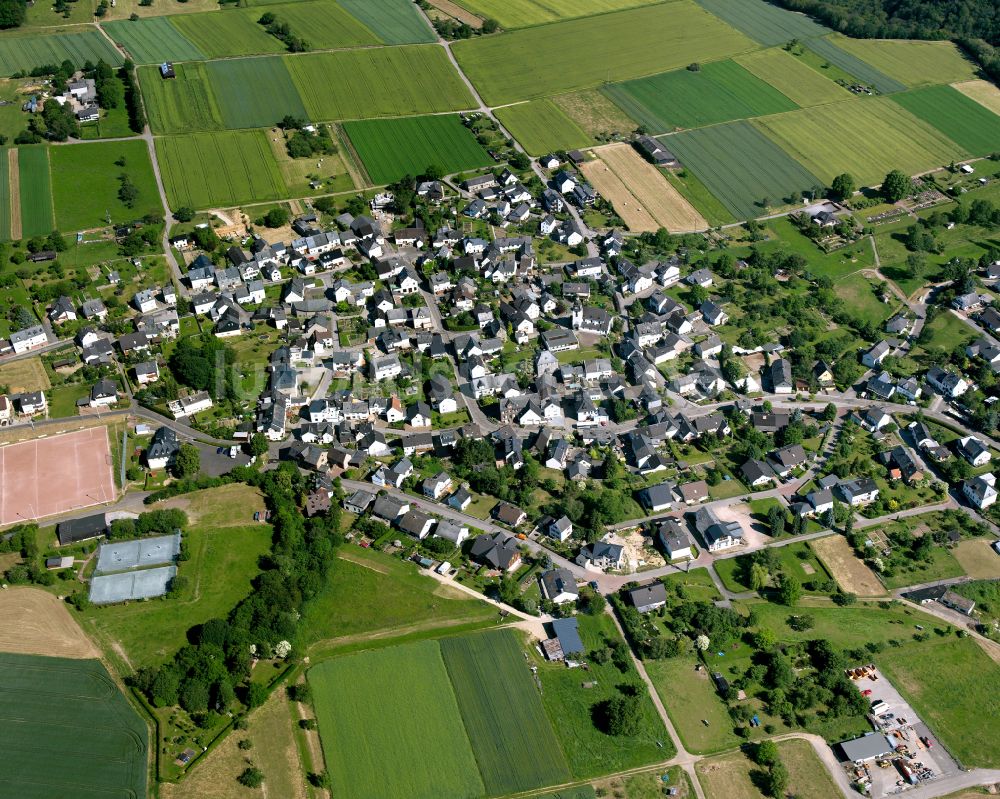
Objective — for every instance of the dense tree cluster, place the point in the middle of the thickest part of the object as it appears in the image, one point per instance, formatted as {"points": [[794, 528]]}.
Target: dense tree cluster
{"points": [[201, 363]]}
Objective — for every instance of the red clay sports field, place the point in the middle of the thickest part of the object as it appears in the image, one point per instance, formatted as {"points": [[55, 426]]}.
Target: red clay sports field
{"points": [[57, 474]]}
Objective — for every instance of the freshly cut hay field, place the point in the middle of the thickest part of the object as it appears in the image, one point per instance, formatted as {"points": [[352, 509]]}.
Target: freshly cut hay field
{"points": [[850, 573], [390, 81], [740, 166], [254, 92], [230, 32], [972, 126], [186, 103], [153, 40], [913, 63], [718, 92], [73, 708], [393, 21], [85, 183], [392, 148], [829, 49], [634, 186], [983, 92], [38, 623], [594, 113], [763, 21], [37, 218], [867, 138], [800, 83], [522, 13], [578, 54], [207, 170], [542, 127], [322, 23], [511, 735], [26, 51], [390, 725]]}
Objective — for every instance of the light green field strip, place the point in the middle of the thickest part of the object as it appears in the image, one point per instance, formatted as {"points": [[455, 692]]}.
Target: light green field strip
{"points": [[230, 32], [182, 104], [765, 22], [829, 48], [912, 63], [153, 40], [522, 13], [37, 218], [973, 126], [393, 21], [26, 51], [542, 127], [798, 82]]}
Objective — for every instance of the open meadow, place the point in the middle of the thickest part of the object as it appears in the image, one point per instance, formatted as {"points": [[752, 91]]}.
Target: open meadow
{"points": [[35, 201], [26, 51], [800, 83], [765, 22], [741, 166], [717, 92], [182, 105], [594, 112], [27, 374], [206, 170], [729, 776], [523, 13], [972, 126], [392, 148], [978, 559], [542, 127], [548, 59], [913, 63], [864, 137], [393, 21], [391, 81], [153, 40], [828, 49], [86, 179]]}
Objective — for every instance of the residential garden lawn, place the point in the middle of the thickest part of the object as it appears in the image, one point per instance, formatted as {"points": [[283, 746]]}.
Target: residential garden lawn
{"points": [[978, 559], [698, 585], [27, 51], [392, 148], [727, 489], [182, 105], [589, 751], [767, 23], [594, 113], [718, 92], [696, 193], [867, 138], [793, 558], [741, 166], [62, 400], [369, 592], [113, 124], [946, 332], [858, 292], [970, 125], [542, 127], [224, 559], [986, 594], [86, 181], [801, 84], [393, 21], [226, 33], [75, 706], [35, 201], [153, 40], [728, 776], [578, 54], [511, 736], [254, 92], [914, 63], [983, 92], [389, 81], [951, 683], [205, 170], [942, 565], [391, 727], [829, 49], [523, 13]]}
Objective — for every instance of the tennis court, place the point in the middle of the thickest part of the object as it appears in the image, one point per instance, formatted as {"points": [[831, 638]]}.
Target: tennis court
{"points": [[118, 556]]}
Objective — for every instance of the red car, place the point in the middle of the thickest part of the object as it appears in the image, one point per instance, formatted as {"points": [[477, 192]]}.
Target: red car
{"points": [[867, 692]]}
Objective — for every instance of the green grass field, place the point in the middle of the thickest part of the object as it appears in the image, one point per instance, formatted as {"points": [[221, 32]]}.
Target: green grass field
{"points": [[230, 32], [718, 92], [153, 40], [522, 13], [549, 59], [970, 125], [764, 22], [390, 725], [205, 170], [689, 697], [867, 138], [829, 50], [323, 24], [951, 684], [4, 196], [512, 738], [37, 218], [25, 51], [391, 148], [253, 92], [859, 296], [186, 103], [913, 63], [85, 184], [542, 127], [393, 21], [73, 708], [390, 81], [696, 193], [800, 83], [740, 166]]}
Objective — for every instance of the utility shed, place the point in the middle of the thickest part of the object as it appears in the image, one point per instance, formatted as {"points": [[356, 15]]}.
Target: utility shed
{"points": [[867, 747]]}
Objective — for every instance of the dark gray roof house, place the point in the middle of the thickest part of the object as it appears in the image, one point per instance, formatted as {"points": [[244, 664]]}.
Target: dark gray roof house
{"points": [[76, 530], [648, 597]]}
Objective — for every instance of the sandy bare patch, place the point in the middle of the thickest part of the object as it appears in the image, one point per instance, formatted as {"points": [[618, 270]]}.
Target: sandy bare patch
{"points": [[850, 573], [37, 623], [14, 171], [983, 92]]}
